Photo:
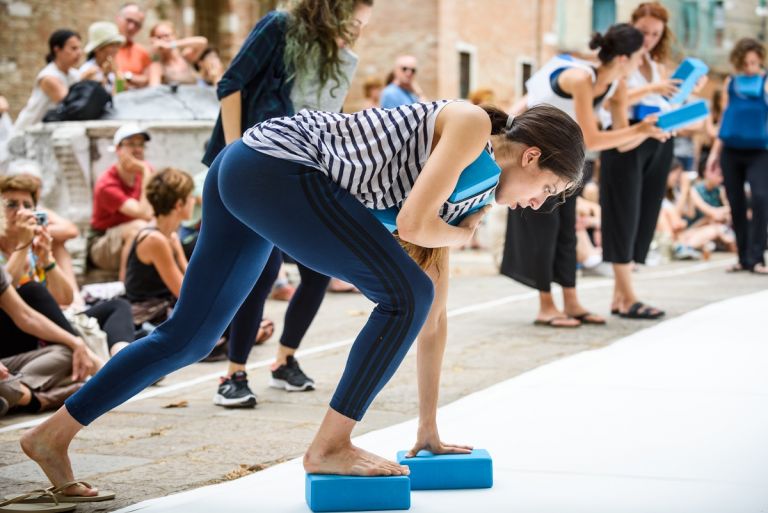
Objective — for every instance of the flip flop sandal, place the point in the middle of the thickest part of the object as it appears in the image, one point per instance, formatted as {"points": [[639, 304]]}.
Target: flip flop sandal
{"points": [[58, 495], [585, 319], [266, 330], [36, 500], [615, 311], [551, 323], [762, 272], [635, 312], [735, 268]]}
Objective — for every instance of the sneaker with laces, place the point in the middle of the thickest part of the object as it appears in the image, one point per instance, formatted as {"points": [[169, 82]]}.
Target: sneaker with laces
{"points": [[234, 392], [290, 377]]}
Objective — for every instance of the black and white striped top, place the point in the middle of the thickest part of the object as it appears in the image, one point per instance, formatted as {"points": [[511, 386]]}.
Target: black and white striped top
{"points": [[375, 154]]}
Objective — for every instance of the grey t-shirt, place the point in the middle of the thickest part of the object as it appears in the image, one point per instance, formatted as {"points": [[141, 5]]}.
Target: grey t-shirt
{"points": [[305, 94]]}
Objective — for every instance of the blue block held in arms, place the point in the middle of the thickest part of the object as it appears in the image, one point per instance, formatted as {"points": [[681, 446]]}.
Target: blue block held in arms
{"points": [[686, 115], [449, 471], [351, 493], [689, 71], [482, 174]]}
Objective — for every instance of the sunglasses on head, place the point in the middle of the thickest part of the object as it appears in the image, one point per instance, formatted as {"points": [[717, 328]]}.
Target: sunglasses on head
{"points": [[16, 204], [406, 68]]}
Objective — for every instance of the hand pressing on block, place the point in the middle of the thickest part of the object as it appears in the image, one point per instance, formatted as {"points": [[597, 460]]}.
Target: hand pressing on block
{"points": [[449, 471]]}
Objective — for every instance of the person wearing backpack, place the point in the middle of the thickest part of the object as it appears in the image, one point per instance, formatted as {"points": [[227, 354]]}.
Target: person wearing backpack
{"points": [[741, 150], [54, 81]]}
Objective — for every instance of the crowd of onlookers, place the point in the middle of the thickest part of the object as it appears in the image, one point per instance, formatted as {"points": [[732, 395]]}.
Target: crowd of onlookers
{"points": [[145, 221]]}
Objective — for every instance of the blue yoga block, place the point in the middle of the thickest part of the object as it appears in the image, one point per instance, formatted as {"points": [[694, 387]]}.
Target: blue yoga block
{"points": [[689, 71], [348, 493], [449, 471], [750, 86], [683, 116], [640, 111], [482, 174], [387, 217]]}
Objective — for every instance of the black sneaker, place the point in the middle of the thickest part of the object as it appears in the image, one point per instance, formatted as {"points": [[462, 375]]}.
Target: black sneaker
{"points": [[234, 392], [290, 377]]}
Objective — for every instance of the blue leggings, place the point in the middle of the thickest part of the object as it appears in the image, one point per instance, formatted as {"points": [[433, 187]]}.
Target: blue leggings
{"points": [[252, 202]]}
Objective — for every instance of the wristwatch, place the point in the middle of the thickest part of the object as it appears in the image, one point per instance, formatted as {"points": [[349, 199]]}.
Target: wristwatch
{"points": [[128, 76]]}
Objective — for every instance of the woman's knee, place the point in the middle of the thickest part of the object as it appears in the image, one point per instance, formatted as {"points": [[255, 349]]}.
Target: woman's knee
{"points": [[423, 291]]}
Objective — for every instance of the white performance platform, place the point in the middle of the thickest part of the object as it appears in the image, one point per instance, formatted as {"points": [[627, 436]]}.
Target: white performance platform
{"points": [[671, 419]]}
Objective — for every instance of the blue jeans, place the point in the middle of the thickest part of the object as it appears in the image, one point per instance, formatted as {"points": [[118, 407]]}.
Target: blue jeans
{"points": [[252, 202]]}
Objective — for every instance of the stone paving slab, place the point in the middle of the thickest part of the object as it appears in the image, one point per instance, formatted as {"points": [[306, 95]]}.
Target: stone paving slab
{"points": [[203, 444]]}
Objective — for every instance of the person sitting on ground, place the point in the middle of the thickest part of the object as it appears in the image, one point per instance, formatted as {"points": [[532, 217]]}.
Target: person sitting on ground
{"points": [[403, 90], [120, 206], [588, 254], [104, 41], [54, 80], [210, 67], [132, 59], [60, 229], [175, 58], [34, 378], [156, 261]]}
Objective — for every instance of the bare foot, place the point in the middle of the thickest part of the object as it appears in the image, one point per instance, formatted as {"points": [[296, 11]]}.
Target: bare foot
{"points": [[351, 461], [42, 448]]}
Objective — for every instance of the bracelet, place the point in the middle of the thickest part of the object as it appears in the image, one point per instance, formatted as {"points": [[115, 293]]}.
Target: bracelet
{"points": [[49, 267]]}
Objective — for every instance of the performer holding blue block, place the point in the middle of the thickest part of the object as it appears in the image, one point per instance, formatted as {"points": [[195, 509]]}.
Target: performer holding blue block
{"points": [[349, 493], [449, 471]]}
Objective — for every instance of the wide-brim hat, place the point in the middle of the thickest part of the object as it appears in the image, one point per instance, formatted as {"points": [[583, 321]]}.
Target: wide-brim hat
{"points": [[102, 33]]}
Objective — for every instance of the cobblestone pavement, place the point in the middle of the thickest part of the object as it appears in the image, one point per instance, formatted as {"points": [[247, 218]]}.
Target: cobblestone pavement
{"points": [[147, 449]]}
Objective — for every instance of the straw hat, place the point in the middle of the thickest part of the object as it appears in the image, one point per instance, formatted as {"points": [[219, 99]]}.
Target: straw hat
{"points": [[102, 33]]}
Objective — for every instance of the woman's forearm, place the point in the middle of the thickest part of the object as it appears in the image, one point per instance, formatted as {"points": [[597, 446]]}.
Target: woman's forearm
{"points": [[231, 107], [59, 287]]}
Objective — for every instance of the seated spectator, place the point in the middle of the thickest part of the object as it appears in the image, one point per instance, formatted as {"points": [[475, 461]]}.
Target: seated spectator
{"points": [[132, 59], [35, 378], [26, 252], [104, 42], [403, 90], [209, 67], [175, 57], [588, 254], [60, 229], [156, 260], [120, 206], [372, 88], [54, 80], [6, 127], [709, 200], [26, 248]]}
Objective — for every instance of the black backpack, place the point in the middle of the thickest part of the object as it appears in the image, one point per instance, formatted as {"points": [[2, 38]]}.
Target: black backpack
{"points": [[85, 100]]}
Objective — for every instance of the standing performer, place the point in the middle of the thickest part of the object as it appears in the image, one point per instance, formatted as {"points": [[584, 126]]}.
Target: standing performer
{"points": [[329, 168], [633, 180], [290, 61], [541, 247], [742, 151]]}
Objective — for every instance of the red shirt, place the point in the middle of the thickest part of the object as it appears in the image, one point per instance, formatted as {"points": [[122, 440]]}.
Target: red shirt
{"points": [[109, 194]]}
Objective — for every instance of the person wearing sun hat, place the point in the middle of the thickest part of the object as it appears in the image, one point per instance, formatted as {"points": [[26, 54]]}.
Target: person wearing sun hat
{"points": [[104, 41], [120, 205]]}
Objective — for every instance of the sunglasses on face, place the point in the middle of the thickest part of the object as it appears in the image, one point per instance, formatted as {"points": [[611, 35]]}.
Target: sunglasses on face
{"points": [[407, 69], [16, 205]]}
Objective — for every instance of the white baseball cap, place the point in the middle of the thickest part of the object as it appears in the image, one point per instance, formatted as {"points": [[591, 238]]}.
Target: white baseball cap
{"points": [[126, 131]]}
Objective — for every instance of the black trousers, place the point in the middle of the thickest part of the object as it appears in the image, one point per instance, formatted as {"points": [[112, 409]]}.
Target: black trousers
{"points": [[740, 167], [632, 186], [540, 246], [115, 319], [15, 341]]}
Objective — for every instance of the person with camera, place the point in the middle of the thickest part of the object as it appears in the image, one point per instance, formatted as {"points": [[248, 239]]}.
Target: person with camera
{"points": [[120, 206]]}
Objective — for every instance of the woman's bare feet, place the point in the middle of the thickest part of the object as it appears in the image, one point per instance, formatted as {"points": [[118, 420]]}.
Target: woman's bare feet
{"points": [[350, 461], [47, 445]]}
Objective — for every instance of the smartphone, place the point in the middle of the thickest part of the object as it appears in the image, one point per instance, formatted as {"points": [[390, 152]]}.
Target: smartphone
{"points": [[42, 218]]}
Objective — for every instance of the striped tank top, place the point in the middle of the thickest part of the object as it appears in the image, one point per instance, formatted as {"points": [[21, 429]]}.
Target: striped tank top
{"points": [[375, 154]]}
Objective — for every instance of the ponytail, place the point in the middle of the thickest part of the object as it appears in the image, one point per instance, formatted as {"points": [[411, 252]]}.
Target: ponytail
{"points": [[620, 39], [57, 40]]}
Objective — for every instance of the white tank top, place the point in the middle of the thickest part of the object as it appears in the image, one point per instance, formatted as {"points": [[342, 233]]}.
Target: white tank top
{"points": [[637, 79], [39, 103], [540, 88]]}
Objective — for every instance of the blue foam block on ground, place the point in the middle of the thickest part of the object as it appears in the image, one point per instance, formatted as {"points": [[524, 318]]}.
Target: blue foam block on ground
{"points": [[348, 493], [689, 71], [449, 471], [684, 116]]}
